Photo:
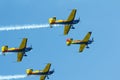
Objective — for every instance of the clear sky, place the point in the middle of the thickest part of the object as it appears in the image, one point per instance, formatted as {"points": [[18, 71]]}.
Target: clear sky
{"points": [[100, 62]]}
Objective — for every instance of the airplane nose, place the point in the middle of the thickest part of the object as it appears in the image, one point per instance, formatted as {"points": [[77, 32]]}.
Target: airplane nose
{"points": [[67, 42]]}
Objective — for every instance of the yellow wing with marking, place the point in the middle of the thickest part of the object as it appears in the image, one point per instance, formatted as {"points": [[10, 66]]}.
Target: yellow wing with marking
{"points": [[86, 38], [42, 77], [67, 29], [47, 68], [20, 56], [70, 18], [23, 43], [82, 46], [72, 15]]}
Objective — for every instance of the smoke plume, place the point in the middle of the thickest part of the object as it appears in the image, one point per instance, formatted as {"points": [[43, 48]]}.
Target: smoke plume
{"points": [[32, 26], [10, 77]]}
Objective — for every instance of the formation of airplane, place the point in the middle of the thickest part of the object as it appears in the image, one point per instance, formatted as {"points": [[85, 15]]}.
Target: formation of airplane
{"points": [[21, 51], [83, 43], [43, 73], [68, 23]]}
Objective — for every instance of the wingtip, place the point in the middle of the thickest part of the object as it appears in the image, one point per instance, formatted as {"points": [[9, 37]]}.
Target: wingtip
{"points": [[65, 34], [90, 32], [49, 63], [18, 61], [80, 51], [75, 9]]}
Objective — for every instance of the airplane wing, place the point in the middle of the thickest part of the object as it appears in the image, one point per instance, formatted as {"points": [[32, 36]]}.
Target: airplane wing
{"points": [[47, 68], [43, 77], [23, 43], [72, 15], [82, 46], [67, 29], [86, 38], [19, 56], [70, 18]]}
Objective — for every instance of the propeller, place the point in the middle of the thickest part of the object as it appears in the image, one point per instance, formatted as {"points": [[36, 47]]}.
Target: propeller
{"points": [[31, 46], [79, 18], [53, 70], [92, 39]]}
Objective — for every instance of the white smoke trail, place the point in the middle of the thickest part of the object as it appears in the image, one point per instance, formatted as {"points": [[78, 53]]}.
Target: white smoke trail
{"points": [[32, 26], [5, 53], [10, 77]]}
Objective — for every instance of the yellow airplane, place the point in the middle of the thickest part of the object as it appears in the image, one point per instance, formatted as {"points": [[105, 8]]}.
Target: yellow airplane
{"points": [[83, 42], [44, 73], [21, 50], [68, 23]]}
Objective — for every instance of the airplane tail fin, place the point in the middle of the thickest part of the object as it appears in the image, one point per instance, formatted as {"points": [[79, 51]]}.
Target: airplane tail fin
{"points": [[52, 21], [29, 71], [69, 41], [4, 48]]}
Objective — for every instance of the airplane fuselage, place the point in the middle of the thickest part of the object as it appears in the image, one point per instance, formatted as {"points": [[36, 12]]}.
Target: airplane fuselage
{"points": [[41, 73], [18, 50], [81, 42], [66, 22]]}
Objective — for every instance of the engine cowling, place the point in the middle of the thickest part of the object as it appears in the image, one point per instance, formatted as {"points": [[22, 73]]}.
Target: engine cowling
{"points": [[4, 48], [29, 71], [69, 41], [52, 20]]}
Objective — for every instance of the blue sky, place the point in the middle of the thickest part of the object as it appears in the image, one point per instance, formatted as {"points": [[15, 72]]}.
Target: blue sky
{"points": [[100, 62]]}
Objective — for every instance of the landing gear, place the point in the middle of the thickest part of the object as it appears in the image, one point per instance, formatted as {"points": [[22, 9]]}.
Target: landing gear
{"points": [[72, 27], [47, 77], [25, 55], [87, 46]]}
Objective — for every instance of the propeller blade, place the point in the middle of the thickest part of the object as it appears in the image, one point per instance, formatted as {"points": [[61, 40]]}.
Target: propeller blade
{"points": [[93, 39]]}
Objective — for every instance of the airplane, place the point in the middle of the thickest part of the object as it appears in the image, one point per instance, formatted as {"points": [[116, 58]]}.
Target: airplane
{"points": [[20, 51], [68, 23], [43, 73], [83, 43]]}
